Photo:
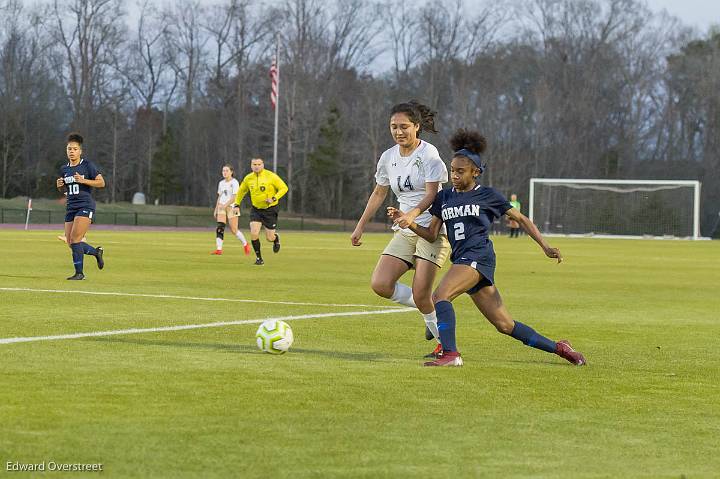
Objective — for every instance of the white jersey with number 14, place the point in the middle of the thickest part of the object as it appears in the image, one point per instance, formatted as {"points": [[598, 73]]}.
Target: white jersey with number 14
{"points": [[407, 175]]}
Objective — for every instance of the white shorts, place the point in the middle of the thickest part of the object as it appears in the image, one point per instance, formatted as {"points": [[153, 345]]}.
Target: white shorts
{"points": [[409, 247], [221, 214]]}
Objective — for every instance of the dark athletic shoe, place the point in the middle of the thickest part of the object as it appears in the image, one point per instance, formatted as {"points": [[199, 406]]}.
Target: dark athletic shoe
{"points": [[565, 351], [428, 334], [436, 353], [99, 257], [259, 261], [276, 243], [77, 277]]}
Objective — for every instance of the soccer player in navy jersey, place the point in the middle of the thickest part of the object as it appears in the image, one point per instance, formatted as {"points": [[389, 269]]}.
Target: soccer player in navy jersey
{"points": [[468, 211], [77, 178]]}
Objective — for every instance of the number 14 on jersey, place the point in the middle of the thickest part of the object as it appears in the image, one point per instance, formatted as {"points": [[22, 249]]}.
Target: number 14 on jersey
{"points": [[407, 184]]}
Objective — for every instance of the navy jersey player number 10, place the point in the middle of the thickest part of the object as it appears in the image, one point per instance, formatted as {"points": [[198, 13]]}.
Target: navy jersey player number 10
{"points": [[77, 179]]}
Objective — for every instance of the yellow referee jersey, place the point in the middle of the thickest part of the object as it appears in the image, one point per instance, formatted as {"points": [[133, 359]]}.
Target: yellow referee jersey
{"points": [[262, 186]]}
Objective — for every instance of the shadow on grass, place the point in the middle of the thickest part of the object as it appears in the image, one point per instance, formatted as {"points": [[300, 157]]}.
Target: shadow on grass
{"points": [[244, 349], [27, 276], [544, 362]]}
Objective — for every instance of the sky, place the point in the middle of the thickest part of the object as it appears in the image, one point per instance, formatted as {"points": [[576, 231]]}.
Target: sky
{"points": [[700, 14]]}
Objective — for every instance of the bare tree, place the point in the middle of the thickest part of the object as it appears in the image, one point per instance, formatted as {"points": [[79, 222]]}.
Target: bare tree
{"points": [[240, 35], [146, 67], [185, 42], [27, 122], [88, 32], [404, 27]]}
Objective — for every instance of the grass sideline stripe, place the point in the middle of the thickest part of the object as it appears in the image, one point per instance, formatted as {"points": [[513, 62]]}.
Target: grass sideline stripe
{"points": [[96, 334], [198, 298]]}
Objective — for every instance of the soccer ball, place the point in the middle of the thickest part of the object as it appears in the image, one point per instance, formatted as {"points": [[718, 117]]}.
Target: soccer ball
{"points": [[274, 337]]}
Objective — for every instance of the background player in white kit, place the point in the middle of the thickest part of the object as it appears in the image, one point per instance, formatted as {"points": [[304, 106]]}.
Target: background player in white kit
{"points": [[414, 171], [224, 214]]}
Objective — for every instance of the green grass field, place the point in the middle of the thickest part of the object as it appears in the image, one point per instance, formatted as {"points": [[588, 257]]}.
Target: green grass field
{"points": [[351, 398], [52, 211]]}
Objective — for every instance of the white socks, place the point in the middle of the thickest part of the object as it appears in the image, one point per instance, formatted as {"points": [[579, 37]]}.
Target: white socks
{"points": [[431, 323], [403, 295], [218, 243], [241, 237]]}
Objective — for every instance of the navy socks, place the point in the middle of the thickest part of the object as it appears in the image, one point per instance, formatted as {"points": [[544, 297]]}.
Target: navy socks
{"points": [[521, 332], [77, 256], [446, 325], [531, 338], [78, 251], [87, 249]]}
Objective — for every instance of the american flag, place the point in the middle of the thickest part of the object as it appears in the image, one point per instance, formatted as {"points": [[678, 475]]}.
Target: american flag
{"points": [[274, 82]]}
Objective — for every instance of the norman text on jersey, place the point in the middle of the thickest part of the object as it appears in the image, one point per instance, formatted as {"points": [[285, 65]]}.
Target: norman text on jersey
{"points": [[459, 211]]}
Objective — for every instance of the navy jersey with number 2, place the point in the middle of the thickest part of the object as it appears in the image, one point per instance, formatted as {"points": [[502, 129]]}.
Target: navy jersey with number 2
{"points": [[468, 217], [78, 195]]}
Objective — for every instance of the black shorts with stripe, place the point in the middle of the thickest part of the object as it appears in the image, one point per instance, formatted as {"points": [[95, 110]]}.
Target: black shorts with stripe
{"points": [[268, 216]]}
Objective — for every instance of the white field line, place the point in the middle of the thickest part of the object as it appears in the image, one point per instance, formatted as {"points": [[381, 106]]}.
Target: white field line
{"points": [[195, 326], [197, 298]]}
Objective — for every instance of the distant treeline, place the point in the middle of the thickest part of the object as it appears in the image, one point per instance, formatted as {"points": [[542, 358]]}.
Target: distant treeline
{"points": [[561, 88]]}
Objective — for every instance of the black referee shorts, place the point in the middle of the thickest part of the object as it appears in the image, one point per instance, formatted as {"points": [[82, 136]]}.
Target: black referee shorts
{"points": [[268, 216]]}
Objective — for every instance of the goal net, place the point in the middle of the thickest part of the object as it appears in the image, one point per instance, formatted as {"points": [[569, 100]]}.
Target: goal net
{"points": [[625, 208]]}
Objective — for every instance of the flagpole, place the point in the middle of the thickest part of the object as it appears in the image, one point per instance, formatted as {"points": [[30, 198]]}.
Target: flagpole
{"points": [[277, 100]]}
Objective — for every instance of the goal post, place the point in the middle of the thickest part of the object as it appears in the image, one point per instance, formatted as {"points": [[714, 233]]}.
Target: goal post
{"points": [[616, 208]]}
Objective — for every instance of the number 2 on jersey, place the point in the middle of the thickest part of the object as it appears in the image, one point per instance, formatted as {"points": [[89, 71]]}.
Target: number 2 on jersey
{"points": [[459, 231], [408, 184]]}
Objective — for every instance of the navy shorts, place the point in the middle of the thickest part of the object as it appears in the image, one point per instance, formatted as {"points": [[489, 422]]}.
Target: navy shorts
{"points": [[73, 212], [268, 216], [485, 268]]}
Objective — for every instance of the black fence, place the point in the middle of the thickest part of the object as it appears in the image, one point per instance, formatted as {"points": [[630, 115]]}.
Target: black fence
{"points": [[302, 223]]}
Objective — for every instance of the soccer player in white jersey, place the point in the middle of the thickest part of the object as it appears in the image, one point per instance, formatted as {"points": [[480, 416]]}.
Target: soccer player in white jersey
{"points": [[224, 214], [415, 172]]}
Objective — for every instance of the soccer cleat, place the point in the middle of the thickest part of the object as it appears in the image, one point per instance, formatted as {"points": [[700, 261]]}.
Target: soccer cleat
{"points": [[565, 351], [217, 252], [449, 358], [259, 261], [436, 353], [77, 277], [276, 243], [428, 334], [246, 247], [99, 257]]}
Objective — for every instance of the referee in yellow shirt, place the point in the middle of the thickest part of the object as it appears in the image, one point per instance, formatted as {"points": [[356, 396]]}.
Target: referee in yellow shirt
{"points": [[266, 188]]}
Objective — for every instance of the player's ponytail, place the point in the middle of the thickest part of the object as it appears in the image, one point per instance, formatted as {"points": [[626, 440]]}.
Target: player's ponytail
{"points": [[469, 140], [417, 113], [470, 144]]}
